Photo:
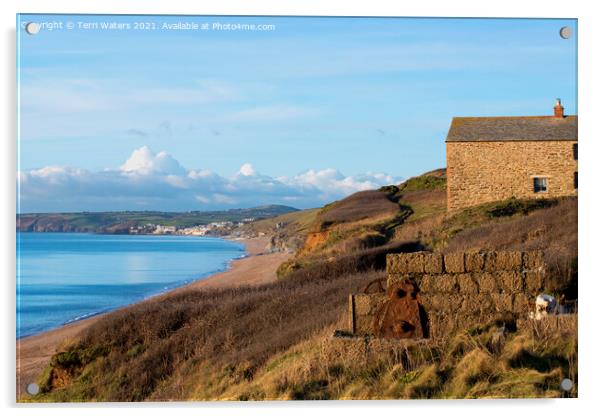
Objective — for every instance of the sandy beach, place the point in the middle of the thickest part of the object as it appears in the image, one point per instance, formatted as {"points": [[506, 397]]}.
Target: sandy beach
{"points": [[34, 352]]}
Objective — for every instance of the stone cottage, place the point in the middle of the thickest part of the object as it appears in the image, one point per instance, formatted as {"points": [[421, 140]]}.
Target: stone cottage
{"points": [[495, 158]]}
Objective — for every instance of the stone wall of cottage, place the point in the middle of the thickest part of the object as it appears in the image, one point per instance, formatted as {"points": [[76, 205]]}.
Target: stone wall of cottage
{"points": [[479, 172]]}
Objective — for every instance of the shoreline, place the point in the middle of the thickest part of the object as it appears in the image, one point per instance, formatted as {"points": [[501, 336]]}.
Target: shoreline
{"points": [[249, 251], [33, 352]]}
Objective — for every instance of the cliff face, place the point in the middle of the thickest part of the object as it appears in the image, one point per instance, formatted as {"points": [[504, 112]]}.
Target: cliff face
{"points": [[314, 241], [49, 224]]}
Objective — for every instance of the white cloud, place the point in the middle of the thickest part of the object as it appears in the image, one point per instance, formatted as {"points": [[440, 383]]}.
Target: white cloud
{"points": [[176, 181], [143, 161], [332, 182], [247, 170], [55, 175], [199, 174], [202, 199], [157, 181], [224, 199]]}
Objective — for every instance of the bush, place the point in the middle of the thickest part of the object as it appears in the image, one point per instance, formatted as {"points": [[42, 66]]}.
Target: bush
{"points": [[518, 206]]}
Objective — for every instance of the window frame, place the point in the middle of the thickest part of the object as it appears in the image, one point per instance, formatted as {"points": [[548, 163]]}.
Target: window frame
{"points": [[540, 184]]}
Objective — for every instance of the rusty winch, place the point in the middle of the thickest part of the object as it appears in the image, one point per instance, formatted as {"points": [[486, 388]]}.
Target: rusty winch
{"points": [[401, 316]]}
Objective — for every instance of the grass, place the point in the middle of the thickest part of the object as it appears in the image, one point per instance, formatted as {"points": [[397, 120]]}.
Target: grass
{"points": [[274, 341], [424, 182], [430, 181], [552, 230], [377, 369], [530, 362], [297, 221], [357, 223], [547, 225], [242, 327], [357, 207], [425, 204], [514, 206]]}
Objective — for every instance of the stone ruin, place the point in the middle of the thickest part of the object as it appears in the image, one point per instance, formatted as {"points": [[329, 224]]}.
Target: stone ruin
{"points": [[429, 295]]}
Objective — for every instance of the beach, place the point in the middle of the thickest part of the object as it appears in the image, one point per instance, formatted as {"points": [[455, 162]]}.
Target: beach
{"points": [[34, 352]]}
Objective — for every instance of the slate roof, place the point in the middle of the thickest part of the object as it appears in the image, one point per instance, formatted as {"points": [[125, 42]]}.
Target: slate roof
{"points": [[494, 129]]}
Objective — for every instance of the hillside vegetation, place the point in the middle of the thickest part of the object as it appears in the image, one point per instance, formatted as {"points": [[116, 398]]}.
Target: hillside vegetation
{"points": [[120, 222], [275, 341]]}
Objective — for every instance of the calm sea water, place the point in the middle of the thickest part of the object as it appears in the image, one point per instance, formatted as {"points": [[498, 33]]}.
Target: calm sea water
{"points": [[65, 277]]}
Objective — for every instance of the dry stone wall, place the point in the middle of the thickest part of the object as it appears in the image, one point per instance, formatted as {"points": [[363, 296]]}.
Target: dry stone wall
{"points": [[459, 289], [362, 310]]}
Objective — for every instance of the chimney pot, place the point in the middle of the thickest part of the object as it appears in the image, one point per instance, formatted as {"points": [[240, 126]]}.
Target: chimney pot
{"points": [[558, 109]]}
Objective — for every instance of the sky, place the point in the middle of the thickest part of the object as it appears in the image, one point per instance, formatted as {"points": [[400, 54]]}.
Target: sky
{"points": [[301, 114]]}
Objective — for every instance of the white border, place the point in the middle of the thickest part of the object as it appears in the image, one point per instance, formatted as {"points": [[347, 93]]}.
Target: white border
{"points": [[589, 230]]}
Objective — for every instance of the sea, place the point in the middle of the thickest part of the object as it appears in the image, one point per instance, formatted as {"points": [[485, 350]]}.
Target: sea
{"points": [[66, 277]]}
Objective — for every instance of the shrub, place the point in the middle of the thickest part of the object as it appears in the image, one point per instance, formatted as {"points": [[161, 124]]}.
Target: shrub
{"points": [[519, 206]]}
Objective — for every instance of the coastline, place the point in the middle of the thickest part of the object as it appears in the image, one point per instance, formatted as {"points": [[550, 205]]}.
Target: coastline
{"points": [[33, 352]]}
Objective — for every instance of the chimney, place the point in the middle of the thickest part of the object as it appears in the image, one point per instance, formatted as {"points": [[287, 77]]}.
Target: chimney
{"points": [[558, 109]]}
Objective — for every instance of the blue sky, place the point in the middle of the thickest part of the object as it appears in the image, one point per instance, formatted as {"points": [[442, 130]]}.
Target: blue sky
{"points": [[304, 114]]}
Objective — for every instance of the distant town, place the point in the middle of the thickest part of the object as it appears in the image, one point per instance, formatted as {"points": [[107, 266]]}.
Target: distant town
{"points": [[213, 228], [149, 222]]}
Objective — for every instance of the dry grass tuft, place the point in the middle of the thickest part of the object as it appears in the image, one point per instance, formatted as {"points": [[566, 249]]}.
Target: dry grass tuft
{"points": [[474, 367]]}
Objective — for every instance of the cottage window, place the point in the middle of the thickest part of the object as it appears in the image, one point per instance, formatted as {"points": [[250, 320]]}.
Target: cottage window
{"points": [[575, 151], [540, 185], [575, 180]]}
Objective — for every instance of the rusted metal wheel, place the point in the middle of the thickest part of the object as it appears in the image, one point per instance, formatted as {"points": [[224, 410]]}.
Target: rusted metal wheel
{"points": [[375, 286], [399, 317]]}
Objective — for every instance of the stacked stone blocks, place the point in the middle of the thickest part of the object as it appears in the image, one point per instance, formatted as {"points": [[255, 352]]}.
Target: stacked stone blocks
{"points": [[481, 172], [460, 289]]}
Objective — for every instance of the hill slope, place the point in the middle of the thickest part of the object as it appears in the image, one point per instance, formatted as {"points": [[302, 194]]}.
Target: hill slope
{"points": [[274, 341], [120, 222]]}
